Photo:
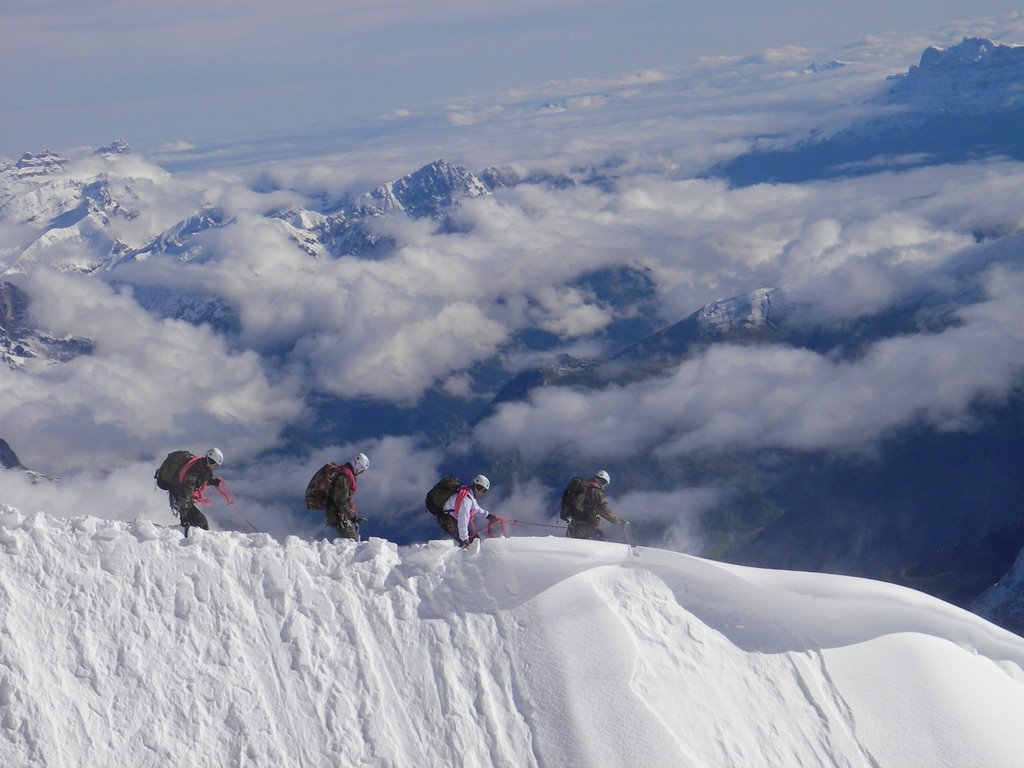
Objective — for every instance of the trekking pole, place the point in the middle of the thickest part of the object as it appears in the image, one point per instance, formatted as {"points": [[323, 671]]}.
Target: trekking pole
{"points": [[634, 551]]}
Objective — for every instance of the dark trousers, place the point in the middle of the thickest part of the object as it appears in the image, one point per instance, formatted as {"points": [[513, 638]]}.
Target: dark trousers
{"points": [[189, 515], [585, 529], [346, 527], [449, 525], [193, 518]]}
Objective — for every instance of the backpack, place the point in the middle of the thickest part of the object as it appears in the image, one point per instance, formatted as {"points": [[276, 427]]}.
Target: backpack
{"points": [[320, 485], [440, 493], [572, 499], [167, 473]]}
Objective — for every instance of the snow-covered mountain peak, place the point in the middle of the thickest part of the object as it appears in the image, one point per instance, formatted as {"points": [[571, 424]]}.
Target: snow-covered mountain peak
{"points": [[426, 191], [817, 67], [53, 192], [87, 201], [971, 52], [32, 165], [115, 148], [746, 312], [177, 240], [972, 77]]}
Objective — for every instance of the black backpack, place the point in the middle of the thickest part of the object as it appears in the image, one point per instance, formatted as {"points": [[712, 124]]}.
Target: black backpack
{"points": [[167, 473], [440, 493], [572, 499]]}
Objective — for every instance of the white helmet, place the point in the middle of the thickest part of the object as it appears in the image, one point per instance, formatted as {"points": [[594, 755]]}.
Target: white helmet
{"points": [[215, 456], [602, 476], [481, 481], [360, 463]]}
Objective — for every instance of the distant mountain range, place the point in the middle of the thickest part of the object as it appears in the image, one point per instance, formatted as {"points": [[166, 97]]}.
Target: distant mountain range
{"points": [[38, 191], [960, 103], [926, 513]]}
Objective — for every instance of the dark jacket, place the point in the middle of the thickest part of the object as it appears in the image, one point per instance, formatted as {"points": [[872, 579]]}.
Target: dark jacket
{"points": [[193, 484], [341, 503], [595, 504]]}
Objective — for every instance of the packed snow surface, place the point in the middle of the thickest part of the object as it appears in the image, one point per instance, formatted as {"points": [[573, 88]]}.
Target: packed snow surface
{"points": [[126, 644]]}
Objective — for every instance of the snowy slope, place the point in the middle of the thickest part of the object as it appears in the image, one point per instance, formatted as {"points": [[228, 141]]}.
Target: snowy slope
{"points": [[126, 644]]}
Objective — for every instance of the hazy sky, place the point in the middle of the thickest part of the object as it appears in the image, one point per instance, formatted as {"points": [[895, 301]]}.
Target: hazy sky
{"points": [[78, 73]]}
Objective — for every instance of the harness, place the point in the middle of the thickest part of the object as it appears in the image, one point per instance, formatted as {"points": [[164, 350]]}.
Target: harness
{"points": [[459, 498], [197, 494]]}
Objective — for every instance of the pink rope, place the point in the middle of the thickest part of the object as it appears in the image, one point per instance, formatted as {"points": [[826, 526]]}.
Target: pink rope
{"points": [[501, 522], [222, 488]]}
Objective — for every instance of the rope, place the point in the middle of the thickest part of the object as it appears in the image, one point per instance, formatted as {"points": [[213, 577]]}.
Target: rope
{"points": [[504, 522], [501, 521], [540, 525], [230, 501]]}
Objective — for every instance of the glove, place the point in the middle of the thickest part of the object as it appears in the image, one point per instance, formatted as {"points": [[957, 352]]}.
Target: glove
{"points": [[214, 481]]}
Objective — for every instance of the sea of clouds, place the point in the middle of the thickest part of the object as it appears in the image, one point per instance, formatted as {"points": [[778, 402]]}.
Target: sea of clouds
{"points": [[368, 329]]}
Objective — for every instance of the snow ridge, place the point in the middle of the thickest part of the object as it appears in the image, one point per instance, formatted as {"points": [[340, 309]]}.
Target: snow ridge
{"points": [[127, 644]]}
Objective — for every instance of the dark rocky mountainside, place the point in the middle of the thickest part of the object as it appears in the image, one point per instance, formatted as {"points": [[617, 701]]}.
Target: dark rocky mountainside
{"points": [[20, 340], [8, 459]]}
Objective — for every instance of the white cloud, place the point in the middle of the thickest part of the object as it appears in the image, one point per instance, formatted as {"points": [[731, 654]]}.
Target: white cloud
{"points": [[391, 328], [763, 397], [678, 511], [371, 360], [147, 384]]}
